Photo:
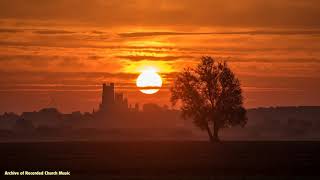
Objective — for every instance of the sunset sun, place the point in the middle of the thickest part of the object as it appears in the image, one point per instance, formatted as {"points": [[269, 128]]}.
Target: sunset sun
{"points": [[149, 82]]}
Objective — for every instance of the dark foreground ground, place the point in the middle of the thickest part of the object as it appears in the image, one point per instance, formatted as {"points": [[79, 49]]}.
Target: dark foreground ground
{"points": [[166, 160]]}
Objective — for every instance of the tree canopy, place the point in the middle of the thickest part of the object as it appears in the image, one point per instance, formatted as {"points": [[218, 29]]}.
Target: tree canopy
{"points": [[211, 95]]}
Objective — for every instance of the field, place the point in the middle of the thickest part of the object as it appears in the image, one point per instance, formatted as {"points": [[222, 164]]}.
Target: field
{"points": [[165, 160]]}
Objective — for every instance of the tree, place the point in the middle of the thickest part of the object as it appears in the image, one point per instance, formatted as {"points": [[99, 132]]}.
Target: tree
{"points": [[210, 95]]}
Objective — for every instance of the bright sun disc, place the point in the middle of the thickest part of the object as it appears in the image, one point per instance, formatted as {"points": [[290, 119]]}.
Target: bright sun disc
{"points": [[149, 82]]}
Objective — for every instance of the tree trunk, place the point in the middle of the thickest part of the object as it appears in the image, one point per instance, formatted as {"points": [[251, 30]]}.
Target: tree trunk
{"points": [[210, 133], [215, 132]]}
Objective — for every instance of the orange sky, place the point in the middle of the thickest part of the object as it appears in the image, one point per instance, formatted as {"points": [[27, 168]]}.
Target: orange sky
{"points": [[60, 52]]}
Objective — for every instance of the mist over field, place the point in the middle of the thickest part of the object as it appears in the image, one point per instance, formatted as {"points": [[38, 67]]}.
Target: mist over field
{"points": [[157, 123]]}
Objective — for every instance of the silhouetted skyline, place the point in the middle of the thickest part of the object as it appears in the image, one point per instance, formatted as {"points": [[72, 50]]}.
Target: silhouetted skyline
{"points": [[118, 121]]}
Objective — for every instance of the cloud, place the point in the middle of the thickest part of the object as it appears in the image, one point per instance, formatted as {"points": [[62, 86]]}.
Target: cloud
{"points": [[10, 30], [95, 57], [98, 32], [65, 78], [28, 57], [60, 43], [257, 32], [154, 58], [274, 60], [244, 13], [50, 31], [271, 89]]}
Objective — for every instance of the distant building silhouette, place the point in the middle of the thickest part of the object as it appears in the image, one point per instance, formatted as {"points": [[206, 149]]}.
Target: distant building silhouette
{"points": [[120, 101], [107, 97], [112, 101]]}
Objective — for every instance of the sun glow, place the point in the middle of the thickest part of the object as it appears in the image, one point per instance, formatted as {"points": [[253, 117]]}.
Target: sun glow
{"points": [[149, 81]]}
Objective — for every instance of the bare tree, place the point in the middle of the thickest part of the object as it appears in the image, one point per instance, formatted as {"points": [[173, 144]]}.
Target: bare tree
{"points": [[210, 95]]}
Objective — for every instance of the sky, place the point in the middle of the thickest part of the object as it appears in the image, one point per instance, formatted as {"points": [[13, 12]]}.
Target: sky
{"points": [[58, 53]]}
